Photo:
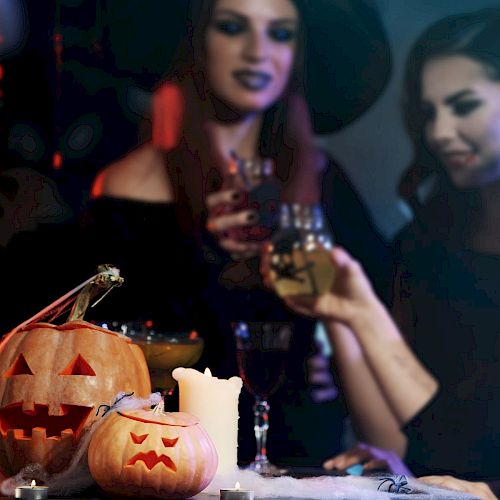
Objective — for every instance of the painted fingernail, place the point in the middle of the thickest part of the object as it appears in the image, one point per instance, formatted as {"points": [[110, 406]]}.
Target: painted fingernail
{"points": [[236, 196], [252, 217], [355, 470]]}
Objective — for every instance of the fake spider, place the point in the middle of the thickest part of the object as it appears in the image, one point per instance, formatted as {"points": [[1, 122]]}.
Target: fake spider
{"points": [[397, 485], [287, 270]]}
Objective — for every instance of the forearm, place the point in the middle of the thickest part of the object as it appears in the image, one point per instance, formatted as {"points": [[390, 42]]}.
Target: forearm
{"points": [[405, 382], [371, 414]]}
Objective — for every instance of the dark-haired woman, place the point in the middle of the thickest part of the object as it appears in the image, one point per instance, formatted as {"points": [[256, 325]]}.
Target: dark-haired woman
{"points": [[255, 79], [447, 293]]}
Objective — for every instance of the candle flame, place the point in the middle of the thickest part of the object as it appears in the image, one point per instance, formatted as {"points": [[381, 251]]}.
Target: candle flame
{"points": [[237, 485], [33, 483], [207, 372]]}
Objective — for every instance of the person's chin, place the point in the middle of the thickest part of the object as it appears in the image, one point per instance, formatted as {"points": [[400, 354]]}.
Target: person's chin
{"points": [[251, 102], [474, 182]]}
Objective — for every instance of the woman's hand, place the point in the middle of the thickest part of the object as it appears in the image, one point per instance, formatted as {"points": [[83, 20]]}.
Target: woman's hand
{"points": [[225, 219], [478, 489], [370, 457], [351, 292]]}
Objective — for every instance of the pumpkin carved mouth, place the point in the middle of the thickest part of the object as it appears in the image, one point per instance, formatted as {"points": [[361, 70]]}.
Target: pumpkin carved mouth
{"points": [[151, 459], [22, 423]]}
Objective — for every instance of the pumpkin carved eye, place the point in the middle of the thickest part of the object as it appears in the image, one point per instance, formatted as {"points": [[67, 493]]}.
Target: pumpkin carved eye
{"points": [[138, 439], [78, 367], [169, 443], [19, 367]]}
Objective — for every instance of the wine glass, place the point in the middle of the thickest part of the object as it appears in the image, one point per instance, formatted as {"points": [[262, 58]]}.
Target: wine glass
{"points": [[261, 350], [163, 350]]}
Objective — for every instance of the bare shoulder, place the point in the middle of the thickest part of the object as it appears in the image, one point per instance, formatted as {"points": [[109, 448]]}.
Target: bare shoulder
{"points": [[141, 174]]}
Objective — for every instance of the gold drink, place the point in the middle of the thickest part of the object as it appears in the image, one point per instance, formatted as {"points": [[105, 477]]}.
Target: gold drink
{"points": [[300, 262], [302, 272], [162, 356]]}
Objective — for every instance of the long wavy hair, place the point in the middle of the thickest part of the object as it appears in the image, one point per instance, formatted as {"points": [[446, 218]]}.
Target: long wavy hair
{"points": [[445, 211]]}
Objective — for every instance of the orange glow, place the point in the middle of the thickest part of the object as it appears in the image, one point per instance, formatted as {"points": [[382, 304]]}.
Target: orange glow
{"points": [[168, 111], [233, 166], [57, 160]]}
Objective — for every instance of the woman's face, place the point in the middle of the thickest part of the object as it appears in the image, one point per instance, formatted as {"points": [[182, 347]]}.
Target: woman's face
{"points": [[250, 51], [462, 106]]}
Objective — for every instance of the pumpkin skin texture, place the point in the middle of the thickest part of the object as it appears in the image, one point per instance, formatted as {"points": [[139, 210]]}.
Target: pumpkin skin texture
{"points": [[152, 454], [52, 380]]}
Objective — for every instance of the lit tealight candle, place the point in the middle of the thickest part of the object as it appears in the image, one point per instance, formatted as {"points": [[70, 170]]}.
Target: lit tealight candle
{"points": [[215, 402], [32, 492], [236, 493]]}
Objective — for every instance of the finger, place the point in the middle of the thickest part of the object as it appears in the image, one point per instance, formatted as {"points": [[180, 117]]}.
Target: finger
{"points": [[300, 309], [224, 197], [265, 265], [343, 260], [240, 247], [346, 459], [223, 223], [340, 257], [377, 464], [433, 480]]}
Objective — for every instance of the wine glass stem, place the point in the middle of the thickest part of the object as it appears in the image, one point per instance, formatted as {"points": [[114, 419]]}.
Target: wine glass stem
{"points": [[261, 425]]}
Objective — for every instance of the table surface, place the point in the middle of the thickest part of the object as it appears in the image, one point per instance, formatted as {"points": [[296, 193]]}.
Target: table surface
{"points": [[96, 493]]}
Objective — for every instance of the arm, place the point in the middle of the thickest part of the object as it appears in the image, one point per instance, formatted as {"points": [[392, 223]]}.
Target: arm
{"points": [[480, 490], [406, 384], [372, 416]]}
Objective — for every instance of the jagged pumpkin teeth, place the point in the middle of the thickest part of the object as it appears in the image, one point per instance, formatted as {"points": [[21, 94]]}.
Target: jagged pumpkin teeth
{"points": [[67, 433], [39, 433], [17, 434], [54, 377], [64, 406]]}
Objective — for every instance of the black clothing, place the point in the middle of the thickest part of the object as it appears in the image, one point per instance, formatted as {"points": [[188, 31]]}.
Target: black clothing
{"points": [[455, 299], [174, 281]]}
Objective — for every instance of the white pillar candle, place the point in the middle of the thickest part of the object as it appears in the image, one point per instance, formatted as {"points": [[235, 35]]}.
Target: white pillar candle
{"points": [[215, 402]]}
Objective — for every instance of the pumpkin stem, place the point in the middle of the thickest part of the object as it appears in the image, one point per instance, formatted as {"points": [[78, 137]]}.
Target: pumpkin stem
{"points": [[107, 278]]}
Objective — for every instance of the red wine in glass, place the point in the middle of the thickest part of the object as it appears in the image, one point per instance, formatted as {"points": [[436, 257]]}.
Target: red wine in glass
{"points": [[262, 371], [262, 350]]}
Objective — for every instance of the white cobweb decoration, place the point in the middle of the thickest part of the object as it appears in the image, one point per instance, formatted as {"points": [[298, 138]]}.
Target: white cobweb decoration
{"points": [[327, 487], [76, 477]]}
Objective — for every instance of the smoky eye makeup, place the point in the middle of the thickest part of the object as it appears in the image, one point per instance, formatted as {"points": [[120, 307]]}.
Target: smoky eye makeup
{"points": [[228, 26], [466, 106], [281, 34]]}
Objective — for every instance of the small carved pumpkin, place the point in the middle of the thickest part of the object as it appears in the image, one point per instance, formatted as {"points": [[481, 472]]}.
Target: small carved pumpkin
{"points": [[52, 380], [150, 453]]}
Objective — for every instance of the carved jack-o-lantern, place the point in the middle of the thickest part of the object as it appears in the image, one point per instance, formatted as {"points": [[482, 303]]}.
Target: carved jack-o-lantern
{"points": [[52, 380], [150, 453]]}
